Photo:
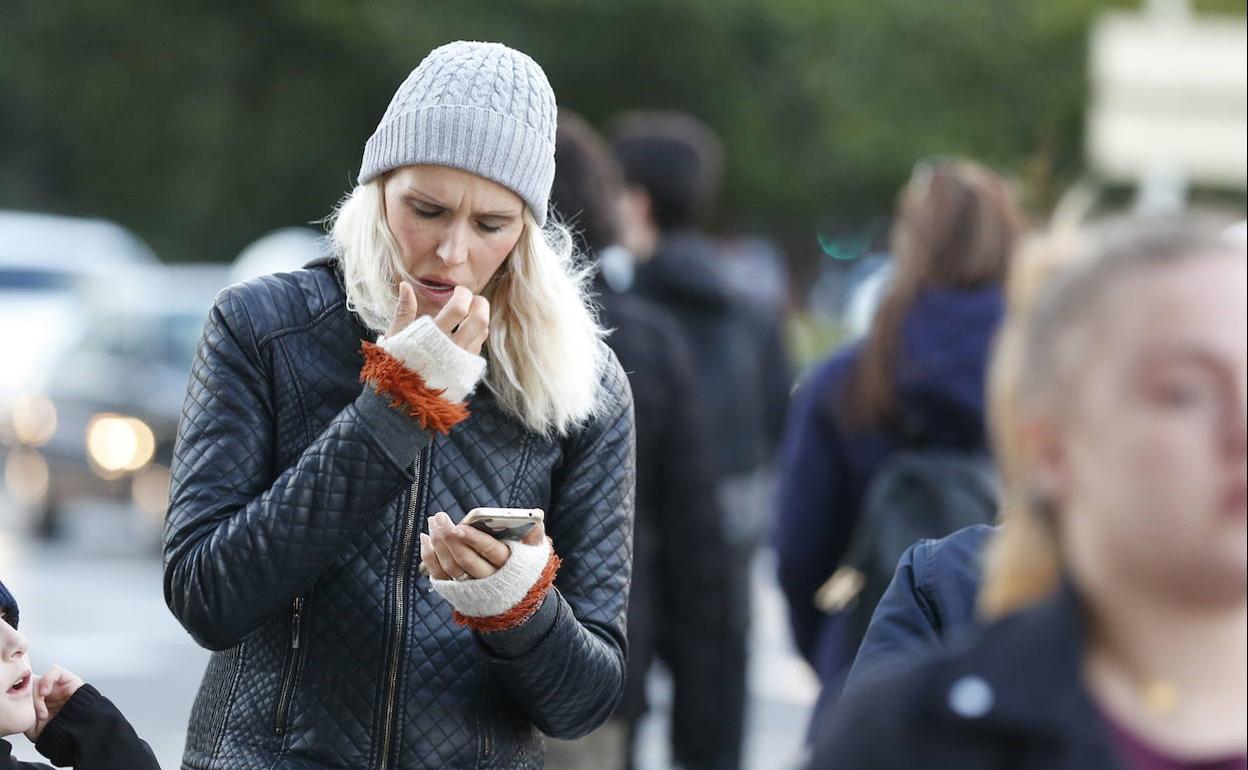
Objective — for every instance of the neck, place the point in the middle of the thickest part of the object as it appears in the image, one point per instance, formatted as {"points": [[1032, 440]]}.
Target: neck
{"points": [[1173, 672]]}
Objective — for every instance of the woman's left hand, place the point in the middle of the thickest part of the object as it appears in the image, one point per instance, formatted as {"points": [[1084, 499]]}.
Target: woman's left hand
{"points": [[458, 552]]}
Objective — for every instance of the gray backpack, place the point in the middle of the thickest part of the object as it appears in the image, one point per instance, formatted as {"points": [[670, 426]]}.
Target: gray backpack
{"points": [[916, 494]]}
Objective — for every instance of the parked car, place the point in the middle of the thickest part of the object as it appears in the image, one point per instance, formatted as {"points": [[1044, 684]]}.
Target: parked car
{"points": [[284, 249], [102, 424], [44, 261]]}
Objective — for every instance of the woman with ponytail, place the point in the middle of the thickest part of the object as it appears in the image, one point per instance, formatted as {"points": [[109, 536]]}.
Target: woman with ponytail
{"points": [[917, 379], [1115, 591]]}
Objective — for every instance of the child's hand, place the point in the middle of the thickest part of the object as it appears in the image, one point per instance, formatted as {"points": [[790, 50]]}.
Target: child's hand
{"points": [[51, 692]]}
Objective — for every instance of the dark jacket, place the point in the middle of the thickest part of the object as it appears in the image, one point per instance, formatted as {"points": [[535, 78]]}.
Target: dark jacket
{"points": [[291, 550], [826, 465], [930, 600], [742, 373], [742, 379], [1010, 697], [88, 734], [679, 608]]}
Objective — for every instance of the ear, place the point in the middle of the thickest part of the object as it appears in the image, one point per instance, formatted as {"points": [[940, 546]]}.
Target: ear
{"points": [[1046, 457], [637, 230]]}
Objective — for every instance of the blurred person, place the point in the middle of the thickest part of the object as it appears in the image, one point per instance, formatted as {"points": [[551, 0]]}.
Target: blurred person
{"points": [[916, 382], [68, 720], [681, 564], [299, 495], [932, 595], [672, 168], [1116, 587]]}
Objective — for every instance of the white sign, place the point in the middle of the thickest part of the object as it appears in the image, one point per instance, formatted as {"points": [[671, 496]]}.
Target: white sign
{"points": [[1169, 98]]}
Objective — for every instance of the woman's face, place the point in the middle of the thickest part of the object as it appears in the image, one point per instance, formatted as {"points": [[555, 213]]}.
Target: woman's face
{"points": [[17, 706], [1150, 452], [453, 229]]}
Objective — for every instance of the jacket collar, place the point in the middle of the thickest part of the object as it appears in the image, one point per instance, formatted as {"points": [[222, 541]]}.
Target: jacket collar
{"points": [[330, 263], [1023, 677]]}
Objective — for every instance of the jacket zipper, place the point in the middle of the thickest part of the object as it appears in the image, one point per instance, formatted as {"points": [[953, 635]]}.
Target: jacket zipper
{"points": [[288, 680], [400, 620]]}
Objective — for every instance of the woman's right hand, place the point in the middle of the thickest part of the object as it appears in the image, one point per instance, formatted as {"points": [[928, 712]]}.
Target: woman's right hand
{"points": [[465, 317]]}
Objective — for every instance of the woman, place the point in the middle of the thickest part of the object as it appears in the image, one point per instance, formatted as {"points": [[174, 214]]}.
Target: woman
{"points": [[1117, 582], [916, 380], [300, 497]]}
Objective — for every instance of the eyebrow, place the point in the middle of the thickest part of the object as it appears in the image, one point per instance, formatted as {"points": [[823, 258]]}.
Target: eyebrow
{"points": [[1185, 354]]}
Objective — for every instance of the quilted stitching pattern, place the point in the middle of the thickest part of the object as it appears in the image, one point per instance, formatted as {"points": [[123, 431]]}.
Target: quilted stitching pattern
{"points": [[290, 481]]}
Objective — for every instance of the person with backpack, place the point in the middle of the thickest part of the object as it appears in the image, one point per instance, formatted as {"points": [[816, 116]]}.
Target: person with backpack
{"points": [[886, 441]]}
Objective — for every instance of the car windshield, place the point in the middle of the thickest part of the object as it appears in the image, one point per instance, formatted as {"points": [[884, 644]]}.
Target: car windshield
{"points": [[34, 279], [167, 339]]}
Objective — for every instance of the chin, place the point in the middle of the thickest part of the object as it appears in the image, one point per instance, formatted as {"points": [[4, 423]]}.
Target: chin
{"points": [[14, 721]]}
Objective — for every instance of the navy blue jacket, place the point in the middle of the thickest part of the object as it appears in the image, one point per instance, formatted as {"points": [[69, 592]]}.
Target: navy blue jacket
{"points": [[826, 466], [974, 706], [932, 598]]}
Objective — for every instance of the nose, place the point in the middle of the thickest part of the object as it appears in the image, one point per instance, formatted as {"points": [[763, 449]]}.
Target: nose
{"points": [[453, 248], [12, 644]]}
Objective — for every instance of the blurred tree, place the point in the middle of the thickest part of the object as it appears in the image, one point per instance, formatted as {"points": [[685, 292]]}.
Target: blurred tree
{"points": [[202, 126]]}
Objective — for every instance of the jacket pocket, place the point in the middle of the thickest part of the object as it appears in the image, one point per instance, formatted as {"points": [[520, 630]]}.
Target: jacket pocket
{"points": [[294, 661]]}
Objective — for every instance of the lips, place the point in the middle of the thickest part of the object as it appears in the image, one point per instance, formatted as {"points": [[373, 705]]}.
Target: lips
{"points": [[20, 686], [434, 288]]}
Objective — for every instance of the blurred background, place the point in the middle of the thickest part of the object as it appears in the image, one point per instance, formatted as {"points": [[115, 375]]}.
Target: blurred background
{"points": [[152, 154]]}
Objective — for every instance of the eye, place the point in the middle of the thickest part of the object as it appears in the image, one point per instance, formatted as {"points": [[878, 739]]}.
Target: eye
{"points": [[426, 212], [489, 228], [1177, 394]]}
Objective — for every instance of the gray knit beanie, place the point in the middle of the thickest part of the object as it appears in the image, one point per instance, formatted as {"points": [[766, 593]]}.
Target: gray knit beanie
{"points": [[479, 107]]}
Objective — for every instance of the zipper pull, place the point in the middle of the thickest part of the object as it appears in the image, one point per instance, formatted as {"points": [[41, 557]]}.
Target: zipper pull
{"points": [[296, 623]]}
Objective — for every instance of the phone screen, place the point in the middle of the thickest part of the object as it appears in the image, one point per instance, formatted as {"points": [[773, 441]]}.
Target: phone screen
{"points": [[504, 528]]}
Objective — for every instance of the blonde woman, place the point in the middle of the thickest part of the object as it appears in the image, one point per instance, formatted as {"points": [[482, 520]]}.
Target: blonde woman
{"points": [[1116, 588], [343, 418]]}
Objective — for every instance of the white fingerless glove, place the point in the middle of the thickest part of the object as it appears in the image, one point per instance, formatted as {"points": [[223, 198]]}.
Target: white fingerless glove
{"points": [[424, 349], [499, 593]]}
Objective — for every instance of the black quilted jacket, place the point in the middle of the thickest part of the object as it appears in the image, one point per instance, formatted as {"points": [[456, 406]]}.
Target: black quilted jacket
{"points": [[291, 550]]}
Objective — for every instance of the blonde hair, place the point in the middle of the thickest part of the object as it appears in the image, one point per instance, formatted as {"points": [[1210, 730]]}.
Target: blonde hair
{"points": [[1054, 285], [545, 351]]}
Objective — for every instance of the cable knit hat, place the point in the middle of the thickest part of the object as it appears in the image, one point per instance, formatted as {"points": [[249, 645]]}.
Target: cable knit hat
{"points": [[9, 605], [479, 107]]}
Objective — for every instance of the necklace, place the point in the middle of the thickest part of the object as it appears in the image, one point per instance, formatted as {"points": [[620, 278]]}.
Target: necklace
{"points": [[1159, 696]]}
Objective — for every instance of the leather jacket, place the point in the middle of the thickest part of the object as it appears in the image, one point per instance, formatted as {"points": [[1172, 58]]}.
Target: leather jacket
{"points": [[291, 550]]}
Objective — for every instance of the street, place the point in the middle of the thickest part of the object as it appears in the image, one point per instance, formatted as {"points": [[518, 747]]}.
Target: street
{"points": [[92, 603]]}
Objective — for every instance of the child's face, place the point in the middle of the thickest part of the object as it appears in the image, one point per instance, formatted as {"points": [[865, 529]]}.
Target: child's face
{"points": [[17, 706]]}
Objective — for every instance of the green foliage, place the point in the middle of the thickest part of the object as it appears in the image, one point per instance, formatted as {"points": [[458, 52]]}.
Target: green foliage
{"points": [[203, 127]]}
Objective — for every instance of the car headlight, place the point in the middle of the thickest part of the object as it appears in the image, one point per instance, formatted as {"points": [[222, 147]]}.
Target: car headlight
{"points": [[33, 419], [26, 475], [118, 444]]}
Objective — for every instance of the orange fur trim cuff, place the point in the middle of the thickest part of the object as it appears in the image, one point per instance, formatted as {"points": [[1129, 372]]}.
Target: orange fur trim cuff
{"points": [[525, 609], [408, 392]]}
